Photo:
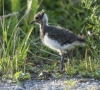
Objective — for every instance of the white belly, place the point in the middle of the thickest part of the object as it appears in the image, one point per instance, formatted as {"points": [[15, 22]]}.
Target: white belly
{"points": [[53, 44]]}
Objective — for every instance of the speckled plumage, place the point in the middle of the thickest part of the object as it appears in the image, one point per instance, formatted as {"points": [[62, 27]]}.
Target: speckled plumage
{"points": [[63, 36]]}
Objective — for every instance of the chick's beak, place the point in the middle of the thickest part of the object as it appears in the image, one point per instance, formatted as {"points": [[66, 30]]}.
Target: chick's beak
{"points": [[33, 22]]}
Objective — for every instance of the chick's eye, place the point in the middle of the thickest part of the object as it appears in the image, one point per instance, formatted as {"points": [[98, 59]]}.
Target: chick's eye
{"points": [[37, 18]]}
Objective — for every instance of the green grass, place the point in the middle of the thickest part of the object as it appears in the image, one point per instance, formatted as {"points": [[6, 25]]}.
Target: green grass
{"points": [[21, 48], [14, 44]]}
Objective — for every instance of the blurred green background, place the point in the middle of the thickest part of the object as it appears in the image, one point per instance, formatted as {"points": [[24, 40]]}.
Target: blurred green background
{"points": [[20, 44]]}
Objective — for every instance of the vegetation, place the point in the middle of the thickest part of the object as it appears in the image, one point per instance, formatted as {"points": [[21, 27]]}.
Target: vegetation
{"points": [[20, 45], [22, 76]]}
